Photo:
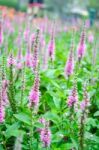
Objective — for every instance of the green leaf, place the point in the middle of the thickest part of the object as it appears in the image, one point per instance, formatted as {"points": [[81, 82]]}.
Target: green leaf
{"points": [[25, 118], [75, 144], [53, 117], [92, 137], [38, 125], [1, 148], [96, 113], [11, 130], [57, 102]]}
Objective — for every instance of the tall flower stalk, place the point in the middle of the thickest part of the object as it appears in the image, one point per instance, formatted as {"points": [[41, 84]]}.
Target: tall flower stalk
{"points": [[2, 112], [51, 46], [28, 56], [72, 103], [34, 93], [70, 61], [19, 60], [73, 97], [84, 110], [34, 102], [4, 82], [81, 45], [35, 51], [11, 94], [1, 32], [23, 84], [45, 135]]}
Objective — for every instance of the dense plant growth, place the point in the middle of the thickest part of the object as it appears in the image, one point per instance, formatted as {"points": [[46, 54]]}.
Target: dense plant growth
{"points": [[49, 85]]}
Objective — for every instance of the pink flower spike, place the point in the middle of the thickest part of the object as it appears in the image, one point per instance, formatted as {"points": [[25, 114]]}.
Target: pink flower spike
{"points": [[69, 67], [71, 101], [28, 59], [1, 33], [2, 114], [73, 97], [81, 46], [85, 103], [26, 34], [35, 60], [10, 60], [45, 136], [51, 48], [34, 93], [42, 121], [4, 92], [19, 64], [91, 38]]}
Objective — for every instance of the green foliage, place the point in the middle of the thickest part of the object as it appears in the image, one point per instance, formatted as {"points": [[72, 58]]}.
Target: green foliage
{"points": [[54, 88]]}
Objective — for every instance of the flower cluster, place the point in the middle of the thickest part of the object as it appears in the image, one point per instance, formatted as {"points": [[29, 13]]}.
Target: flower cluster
{"points": [[81, 46], [86, 102], [70, 62], [1, 33], [45, 135], [73, 98], [10, 60], [51, 47], [35, 51], [34, 93]]}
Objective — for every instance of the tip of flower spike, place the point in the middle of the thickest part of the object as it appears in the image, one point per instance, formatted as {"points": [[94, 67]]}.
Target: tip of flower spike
{"points": [[69, 67], [85, 103]]}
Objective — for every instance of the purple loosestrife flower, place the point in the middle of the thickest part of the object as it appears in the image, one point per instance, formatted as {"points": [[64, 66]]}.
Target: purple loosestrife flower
{"points": [[10, 60], [81, 46], [19, 64], [45, 60], [35, 51], [42, 40], [32, 38], [35, 93], [45, 136], [4, 92], [28, 58], [85, 103], [73, 98], [42, 121], [1, 33], [84, 110], [26, 34], [51, 47], [94, 55], [2, 113], [69, 67], [90, 38], [19, 40]]}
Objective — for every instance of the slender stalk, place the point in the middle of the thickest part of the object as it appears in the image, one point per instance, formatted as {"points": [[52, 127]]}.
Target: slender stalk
{"points": [[31, 131], [81, 132], [23, 85], [4, 144], [11, 89], [17, 76]]}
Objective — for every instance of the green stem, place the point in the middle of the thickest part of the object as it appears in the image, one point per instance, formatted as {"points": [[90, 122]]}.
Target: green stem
{"points": [[81, 132], [23, 85], [11, 90], [31, 131], [4, 142], [17, 76]]}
